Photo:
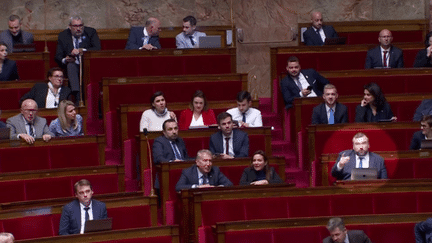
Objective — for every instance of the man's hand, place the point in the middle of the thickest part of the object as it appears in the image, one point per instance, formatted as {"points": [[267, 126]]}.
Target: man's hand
{"points": [[243, 124], [343, 160], [70, 59], [428, 51], [305, 92], [76, 52], [46, 137], [261, 182], [29, 139], [148, 47], [393, 119], [226, 156]]}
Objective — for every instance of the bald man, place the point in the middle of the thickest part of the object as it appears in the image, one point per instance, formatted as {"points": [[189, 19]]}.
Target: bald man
{"points": [[145, 38], [385, 55], [27, 125], [317, 33], [6, 237]]}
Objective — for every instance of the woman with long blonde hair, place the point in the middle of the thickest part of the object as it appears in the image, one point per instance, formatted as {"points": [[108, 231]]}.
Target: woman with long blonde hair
{"points": [[68, 123]]}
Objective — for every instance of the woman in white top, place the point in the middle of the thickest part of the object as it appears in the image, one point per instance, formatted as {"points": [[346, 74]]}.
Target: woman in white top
{"points": [[153, 118]]}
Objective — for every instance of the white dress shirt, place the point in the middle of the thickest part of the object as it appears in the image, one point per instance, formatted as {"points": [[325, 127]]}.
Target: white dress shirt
{"points": [[90, 212], [253, 116]]}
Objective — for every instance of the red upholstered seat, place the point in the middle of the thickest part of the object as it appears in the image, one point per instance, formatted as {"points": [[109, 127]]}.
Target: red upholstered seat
{"points": [[83, 155], [305, 234], [130, 217], [392, 232], [265, 208], [9, 98], [160, 239], [102, 183], [29, 227], [250, 236], [12, 191], [308, 206], [395, 203], [227, 210], [24, 159], [358, 204], [423, 201], [31, 69]]}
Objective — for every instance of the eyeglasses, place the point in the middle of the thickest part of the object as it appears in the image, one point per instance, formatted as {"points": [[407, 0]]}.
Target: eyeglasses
{"points": [[30, 111], [57, 76], [77, 25]]}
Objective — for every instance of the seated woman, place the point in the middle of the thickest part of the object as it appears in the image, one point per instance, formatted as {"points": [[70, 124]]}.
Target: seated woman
{"points": [[152, 119], [374, 106], [68, 123], [48, 95], [8, 68], [423, 58], [425, 133], [198, 114], [259, 173]]}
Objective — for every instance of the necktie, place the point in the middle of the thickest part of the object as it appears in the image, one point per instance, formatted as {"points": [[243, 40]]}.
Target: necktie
{"points": [[176, 151], [244, 117], [145, 40], [205, 180], [31, 133], [227, 145], [331, 117], [361, 163], [385, 58], [192, 41], [87, 216], [297, 80], [76, 44]]}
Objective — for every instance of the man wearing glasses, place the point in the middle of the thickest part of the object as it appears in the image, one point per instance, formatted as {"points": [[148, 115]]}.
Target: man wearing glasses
{"points": [[72, 42], [385, 55], [28, 125]]}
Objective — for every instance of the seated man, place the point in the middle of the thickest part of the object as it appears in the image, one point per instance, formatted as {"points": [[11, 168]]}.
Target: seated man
{"points": [[358, 157], [28, 125], [317, 33], [189, 38], [146, 38], [229, 143], [424, 109], [423, 231], [425, 133], [300, 83], [244, 113], [72, 42], [338, 233], [76, 213], [331, 111], [15, 35], [202, 174], [169, 147], [385, 55]]}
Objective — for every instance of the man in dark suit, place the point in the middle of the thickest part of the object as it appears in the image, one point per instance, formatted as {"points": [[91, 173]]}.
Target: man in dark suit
{"points": [[317, 33], [202, 174], [15, 35], [300, 83], [358, 157], [425, 108], [145, 37], [338, 233], [425, 133], [229, 142], [423, 231], [84, 208], [169, 147], [72, 42], [27, 125], [331, 111], [385, 55]]}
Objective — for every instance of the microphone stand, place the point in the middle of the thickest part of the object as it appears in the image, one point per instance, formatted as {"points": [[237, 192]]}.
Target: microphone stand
{"points": [[152, 192]]}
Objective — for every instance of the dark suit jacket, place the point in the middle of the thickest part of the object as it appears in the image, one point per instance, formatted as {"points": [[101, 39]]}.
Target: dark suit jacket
{"points": [[240, 143], [249, 176], [374, 59], [425, 108], [311, 38], [422, 60], [6, 37], [364, 113], [90, 41], [163, 152], [375, 161], [9, 71], [18, 126], [39, 93], [423, 231], [70, 221], [319, 114], [290, 90], [2, 124], [416, 140], [189, 177], [354, 236], [135, 39]]}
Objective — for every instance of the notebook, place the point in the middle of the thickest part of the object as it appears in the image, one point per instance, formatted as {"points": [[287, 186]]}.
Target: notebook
{"points": [[211, 41]]}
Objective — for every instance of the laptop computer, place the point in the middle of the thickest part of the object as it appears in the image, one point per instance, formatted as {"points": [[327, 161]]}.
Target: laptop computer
{"points": [[4, 133], [335, 41], [211, 41], [364, 174], [426, 144], [98, 225]]}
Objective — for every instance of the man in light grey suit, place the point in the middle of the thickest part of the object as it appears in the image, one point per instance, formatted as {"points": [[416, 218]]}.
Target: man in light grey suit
{"points": [[27, 125], [15, 35], [358, 157], [189, 38]]}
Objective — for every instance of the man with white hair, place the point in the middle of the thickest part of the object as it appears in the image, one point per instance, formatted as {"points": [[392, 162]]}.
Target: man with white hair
{"points": [[6, 237]]}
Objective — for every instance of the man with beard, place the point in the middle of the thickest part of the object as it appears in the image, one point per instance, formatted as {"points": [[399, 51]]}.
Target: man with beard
{"points": [[358, 157], [339, 234], [331, 111], [15, 35]]}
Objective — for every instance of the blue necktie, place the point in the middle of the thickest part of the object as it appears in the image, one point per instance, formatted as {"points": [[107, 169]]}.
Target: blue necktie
{"points": [[176, 151], [31, 133], [76, 44], [331, 117], [361, 163]]}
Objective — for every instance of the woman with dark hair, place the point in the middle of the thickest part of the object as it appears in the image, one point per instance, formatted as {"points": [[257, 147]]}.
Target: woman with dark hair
{"points": [[260, 173], [374, 106], [68, 123], [48, 95], [8, 68], [423, 58], [198, 114], [153, 119]]}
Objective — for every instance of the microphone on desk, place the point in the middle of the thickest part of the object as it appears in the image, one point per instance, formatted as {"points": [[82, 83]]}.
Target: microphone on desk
{"points": [[145, 131]]}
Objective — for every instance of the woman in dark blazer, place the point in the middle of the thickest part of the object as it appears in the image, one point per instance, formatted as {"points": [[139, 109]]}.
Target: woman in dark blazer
{"points": [[423, 58], [8, 68], [259, 173], [374, 106]]}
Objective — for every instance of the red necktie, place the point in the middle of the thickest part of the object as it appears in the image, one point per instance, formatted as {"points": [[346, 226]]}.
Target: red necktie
{"points": [[385, 59]]}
